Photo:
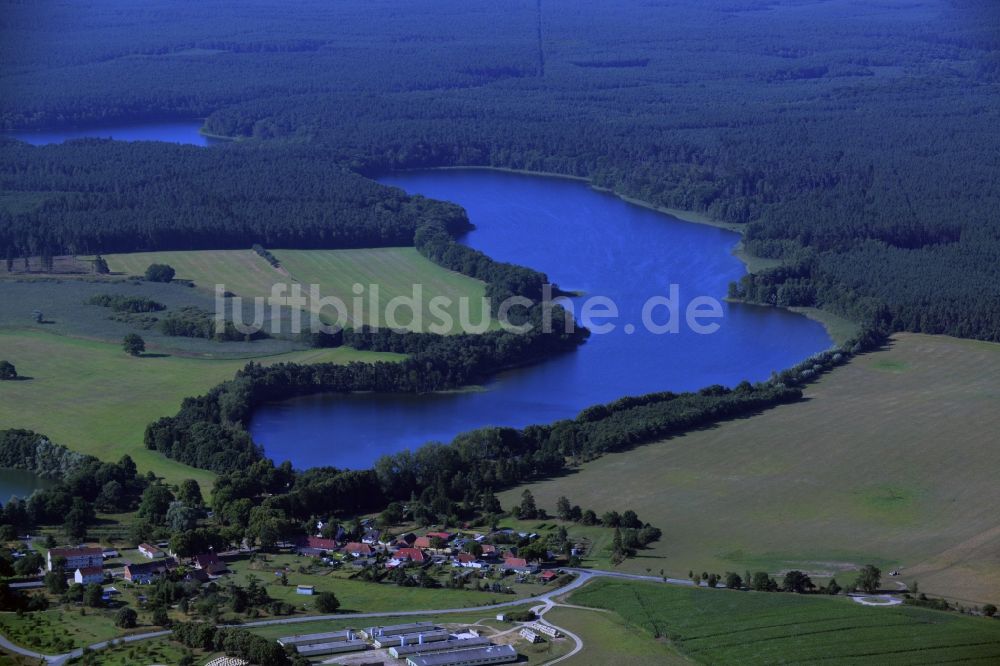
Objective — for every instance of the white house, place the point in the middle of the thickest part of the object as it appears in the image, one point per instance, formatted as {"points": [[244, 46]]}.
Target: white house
{"points": [[88, 575], [149, 552]]}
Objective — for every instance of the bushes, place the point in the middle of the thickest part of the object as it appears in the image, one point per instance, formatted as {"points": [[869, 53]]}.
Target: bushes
{"points": [[128, 304], [160, 273]]}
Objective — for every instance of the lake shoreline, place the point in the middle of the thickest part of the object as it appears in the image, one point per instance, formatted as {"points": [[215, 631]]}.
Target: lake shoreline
{"points": [[834, 324]]}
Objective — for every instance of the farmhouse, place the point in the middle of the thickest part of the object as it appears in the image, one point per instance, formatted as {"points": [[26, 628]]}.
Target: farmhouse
{"points": [[355, 549], [314, 545], [414, 555], [210, 563], [147, 572], [76, 558], [88, 575], [519, 565]]}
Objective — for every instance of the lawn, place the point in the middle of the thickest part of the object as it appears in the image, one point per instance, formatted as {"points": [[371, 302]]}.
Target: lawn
{"points": [[728, 627], [891, 460], [395, 270], [92, 397]]}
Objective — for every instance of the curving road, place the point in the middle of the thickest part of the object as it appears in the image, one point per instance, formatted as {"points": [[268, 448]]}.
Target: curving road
{"points": [[544, 601]]}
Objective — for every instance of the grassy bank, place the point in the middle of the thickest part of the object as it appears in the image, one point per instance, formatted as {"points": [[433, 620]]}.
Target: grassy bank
{"points": [[889, 460], [92, 397]]}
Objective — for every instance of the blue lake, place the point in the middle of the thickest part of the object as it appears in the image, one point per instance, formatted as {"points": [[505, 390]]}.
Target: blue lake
{"points": [[182, 131], [587, 241], [19, 483]]}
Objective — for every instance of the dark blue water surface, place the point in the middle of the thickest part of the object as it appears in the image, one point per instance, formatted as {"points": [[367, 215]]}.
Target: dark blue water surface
{"points": [[181, 131], [20, 483], [587, 241]]}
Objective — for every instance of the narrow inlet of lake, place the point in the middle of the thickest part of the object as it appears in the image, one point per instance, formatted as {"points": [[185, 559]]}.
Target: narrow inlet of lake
{"points": [[586, 241]]}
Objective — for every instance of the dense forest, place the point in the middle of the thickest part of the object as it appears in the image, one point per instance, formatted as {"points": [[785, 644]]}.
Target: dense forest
{"points": [[855, 141]]}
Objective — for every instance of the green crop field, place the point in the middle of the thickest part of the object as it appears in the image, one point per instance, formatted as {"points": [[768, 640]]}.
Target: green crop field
{"points": [[394, 269], [729, 627], [607, 639], [92, 397], [891, 460]]}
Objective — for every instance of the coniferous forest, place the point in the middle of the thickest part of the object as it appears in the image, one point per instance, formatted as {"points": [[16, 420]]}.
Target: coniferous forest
{"points": [[865, 159]]}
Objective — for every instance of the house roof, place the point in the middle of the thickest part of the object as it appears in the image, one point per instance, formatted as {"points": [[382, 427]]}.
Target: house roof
{"points": [[412, 554], [75, 552], [91, 571], [515, 562], [489, 549], [444, 536], [360, 548], [205, 559], [465, 558], [318, 543], [422, 542]]}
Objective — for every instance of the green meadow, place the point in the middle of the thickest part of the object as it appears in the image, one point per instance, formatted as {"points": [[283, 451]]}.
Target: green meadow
{"points": [[92, 397], [730, 627]]}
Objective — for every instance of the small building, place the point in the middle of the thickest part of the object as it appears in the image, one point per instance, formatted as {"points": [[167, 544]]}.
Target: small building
{"points": [[422, 542], [444, 536], [76, 558], [307, 590], [552, 632], [548, 576], [150, 552], [530, 636], [109, 553], [468, 561], [88, 575]]}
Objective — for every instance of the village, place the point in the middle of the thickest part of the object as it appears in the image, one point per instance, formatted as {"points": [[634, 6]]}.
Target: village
{"points": [[503, 562]]}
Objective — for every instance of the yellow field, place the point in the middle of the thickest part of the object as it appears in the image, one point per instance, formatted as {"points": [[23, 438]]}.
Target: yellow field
{"points": [[395, 270], [892, 459], [92, 397]]}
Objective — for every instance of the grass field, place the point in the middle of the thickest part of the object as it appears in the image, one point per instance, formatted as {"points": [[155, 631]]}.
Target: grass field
{"points": [[395, 270], [607, 639], [727, 627], [92, 397], [892, 460], [55, 631]]}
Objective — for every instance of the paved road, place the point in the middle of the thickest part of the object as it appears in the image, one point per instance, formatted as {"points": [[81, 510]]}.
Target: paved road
{"points": [[545, 602]]}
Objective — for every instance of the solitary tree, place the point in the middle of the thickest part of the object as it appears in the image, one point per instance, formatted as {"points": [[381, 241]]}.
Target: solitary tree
{"points": [[796, 581], [101, 266], [126, 618], [160, 273], [93, 595], [7, 370], [133, 344], [327, 602], [869, 579], [989, 610]]}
